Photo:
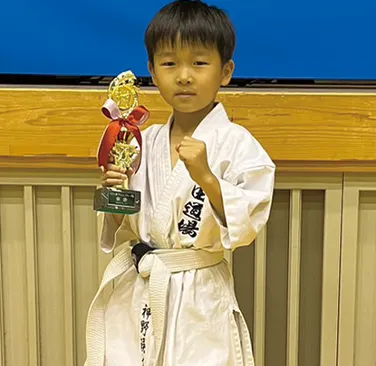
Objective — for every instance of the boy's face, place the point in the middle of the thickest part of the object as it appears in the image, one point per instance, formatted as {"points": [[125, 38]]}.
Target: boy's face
{"points": [[189, 78]]}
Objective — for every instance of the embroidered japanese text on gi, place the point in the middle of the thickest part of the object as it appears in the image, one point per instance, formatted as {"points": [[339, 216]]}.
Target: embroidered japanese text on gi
{"points": [[146, 313], [192, 210]]}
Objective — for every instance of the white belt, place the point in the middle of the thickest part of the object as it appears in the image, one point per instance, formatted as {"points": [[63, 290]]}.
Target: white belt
{"points": [[158, 265]]}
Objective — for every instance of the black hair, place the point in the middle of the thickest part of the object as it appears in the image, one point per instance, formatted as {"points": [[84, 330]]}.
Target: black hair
{"points": [[190, 22]]}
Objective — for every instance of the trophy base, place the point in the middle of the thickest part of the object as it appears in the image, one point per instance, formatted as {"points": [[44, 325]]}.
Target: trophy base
{"points": [[117, 201]]}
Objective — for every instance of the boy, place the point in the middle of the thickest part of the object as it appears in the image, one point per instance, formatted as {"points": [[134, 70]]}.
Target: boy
{"points": [[206, 186]]}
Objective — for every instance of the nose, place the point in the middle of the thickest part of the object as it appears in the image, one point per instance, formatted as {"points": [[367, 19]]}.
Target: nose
{"points": [[184, 76]]}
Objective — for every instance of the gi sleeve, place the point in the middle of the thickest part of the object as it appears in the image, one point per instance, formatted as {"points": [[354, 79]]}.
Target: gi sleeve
{"points": [[114, 235], [247, 189]]}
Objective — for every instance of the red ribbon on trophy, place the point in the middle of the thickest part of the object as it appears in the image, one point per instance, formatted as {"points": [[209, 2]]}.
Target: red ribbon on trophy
{"points": [[113, 132]]}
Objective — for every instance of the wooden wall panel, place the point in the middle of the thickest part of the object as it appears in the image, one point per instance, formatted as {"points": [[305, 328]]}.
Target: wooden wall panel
{"points": [[299, 276], [293, 282], [301, 131], [357, 322], [311, 278], [50, 254], [13, 272], [86, 263], [365, 318]]}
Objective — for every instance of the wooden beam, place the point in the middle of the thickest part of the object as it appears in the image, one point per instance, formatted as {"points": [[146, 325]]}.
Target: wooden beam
{"points": [[55, 128]]}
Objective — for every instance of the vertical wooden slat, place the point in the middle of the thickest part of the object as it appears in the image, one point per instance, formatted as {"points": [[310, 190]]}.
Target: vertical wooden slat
{"points": [[85, 239], [277, 280], [243, 273], [259, 299], [69, 315], [103, 258], [346, 346], [2, 327], [330, 279], [365, 315], [294, 278], [51, 279], [32, 275]]}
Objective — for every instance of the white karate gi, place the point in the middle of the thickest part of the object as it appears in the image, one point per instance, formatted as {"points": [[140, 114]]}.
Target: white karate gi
{"points": [[202, 321]]}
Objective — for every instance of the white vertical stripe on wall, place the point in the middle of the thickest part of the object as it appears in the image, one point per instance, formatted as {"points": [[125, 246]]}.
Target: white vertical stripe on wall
{"points": [[32, 274], [365, 302], [2, 327], [14, 283], [86, 272], [330, 277], [294, 277], [260, 294], [51, 275], [348, 277], [67, 238]]}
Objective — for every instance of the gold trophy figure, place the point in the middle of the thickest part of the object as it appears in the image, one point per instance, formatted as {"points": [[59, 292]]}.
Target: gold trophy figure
{"points": [[126, 116]]}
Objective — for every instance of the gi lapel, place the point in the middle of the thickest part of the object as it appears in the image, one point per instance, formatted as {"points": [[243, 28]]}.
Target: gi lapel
{"points": [[168, 182]]}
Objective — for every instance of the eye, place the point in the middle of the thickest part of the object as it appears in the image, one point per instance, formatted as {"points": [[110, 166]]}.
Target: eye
{"points": [[200, 63], [168, 64]]}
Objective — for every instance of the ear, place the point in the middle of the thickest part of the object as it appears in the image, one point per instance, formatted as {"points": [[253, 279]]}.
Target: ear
{"points": [[152, 73], [228, 70]]}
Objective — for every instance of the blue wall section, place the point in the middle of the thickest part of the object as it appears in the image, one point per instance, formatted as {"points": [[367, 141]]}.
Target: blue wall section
{"points": [[290, 39]]}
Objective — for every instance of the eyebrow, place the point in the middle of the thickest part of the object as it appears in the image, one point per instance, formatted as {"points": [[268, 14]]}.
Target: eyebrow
{"points": [[171, 53], [164, 54]]}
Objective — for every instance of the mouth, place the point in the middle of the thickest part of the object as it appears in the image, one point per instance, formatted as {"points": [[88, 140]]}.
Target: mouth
{"points": [[185, 94]]}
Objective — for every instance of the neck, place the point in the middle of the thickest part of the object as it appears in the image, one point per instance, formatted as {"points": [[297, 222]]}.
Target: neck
{"points": [[186, 123]]}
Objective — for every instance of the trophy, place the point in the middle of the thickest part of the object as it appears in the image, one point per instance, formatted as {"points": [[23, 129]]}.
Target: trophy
{"points": [[125, 117]]}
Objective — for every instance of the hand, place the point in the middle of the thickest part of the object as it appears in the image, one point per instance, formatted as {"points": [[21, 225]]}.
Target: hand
{"points": [[193, 154], [115, 176]]}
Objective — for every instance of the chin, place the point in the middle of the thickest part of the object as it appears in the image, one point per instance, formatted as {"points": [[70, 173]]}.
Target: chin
{"points": [[189, 108], [186, 109]]}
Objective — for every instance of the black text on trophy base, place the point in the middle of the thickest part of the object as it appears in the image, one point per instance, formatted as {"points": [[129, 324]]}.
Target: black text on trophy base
{"points": [[118, 201]]}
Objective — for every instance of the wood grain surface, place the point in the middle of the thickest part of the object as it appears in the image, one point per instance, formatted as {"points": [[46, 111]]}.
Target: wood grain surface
{"points": [[61, 128]]}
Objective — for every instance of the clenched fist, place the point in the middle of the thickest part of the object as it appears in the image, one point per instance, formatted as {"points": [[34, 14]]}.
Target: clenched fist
{"points": [[193, 154]]}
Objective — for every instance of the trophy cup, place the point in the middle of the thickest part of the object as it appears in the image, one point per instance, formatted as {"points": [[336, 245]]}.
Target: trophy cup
{"points": [[125, 117]]}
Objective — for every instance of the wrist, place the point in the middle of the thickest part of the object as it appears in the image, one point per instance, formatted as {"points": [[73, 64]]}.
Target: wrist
{"points": [[207, 180]]}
